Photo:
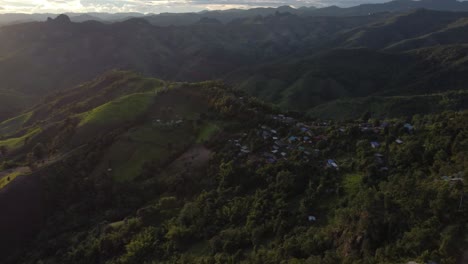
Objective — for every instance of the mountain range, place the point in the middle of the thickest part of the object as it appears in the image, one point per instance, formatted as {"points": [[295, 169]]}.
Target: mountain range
{"points": [[280, 57], [225, 16]]}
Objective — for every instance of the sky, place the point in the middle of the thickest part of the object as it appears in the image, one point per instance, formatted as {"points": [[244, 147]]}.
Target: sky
{"points": [[157, 6]]}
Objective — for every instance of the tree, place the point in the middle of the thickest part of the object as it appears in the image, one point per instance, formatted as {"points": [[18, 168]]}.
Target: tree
{"points": [[366, 116]]}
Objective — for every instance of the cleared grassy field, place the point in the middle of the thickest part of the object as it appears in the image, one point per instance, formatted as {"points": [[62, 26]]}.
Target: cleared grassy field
{"points": [[207, 131], [11, 125], [147, 143], [123, 109], [14, 143]]}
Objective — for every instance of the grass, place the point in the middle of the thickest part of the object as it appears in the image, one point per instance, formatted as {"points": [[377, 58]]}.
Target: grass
{"points": [[14, 143], [130, 166], [207, 131], [123, 109], [351, 183], [145, 144], [11, 125], [8, 178], [117, 224]]}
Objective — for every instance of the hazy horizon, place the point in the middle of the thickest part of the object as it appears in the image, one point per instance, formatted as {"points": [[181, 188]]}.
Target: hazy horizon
{"points": [[158, 6]]}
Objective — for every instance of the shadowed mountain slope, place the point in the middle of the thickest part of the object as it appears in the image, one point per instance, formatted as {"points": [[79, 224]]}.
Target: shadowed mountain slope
{"points": [[130, 169]]}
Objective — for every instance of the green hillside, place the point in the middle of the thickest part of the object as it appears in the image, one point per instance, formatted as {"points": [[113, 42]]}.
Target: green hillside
{"points": [[11, 125], [14, 143], [316, 82], [123, 109], [149, 120], [401, 27], [201, 173], [295, 60]]}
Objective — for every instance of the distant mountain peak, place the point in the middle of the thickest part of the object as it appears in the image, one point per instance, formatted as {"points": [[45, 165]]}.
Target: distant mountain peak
{"points": [[207, 20], [439, 1], [61, 19], [285, 8], [136, 21]]}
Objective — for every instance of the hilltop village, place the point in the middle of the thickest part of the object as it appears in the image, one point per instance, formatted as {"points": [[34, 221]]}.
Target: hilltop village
{"points": [[286, 137]]}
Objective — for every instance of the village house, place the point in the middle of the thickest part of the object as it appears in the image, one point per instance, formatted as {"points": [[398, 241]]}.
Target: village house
{"points": [[170, 123], [320, 137], [289, 120], [457, 177], [332, 164], [384, 124], [270, 158], [379, 158], [265, 134], [409, 127], [280, 143]]}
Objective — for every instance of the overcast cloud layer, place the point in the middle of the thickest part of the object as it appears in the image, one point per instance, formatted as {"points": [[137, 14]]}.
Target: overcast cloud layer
{"points": [[156, 6]]}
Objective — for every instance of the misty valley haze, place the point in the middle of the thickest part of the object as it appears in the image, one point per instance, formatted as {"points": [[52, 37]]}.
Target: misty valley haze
{"points": [[52, 6]]}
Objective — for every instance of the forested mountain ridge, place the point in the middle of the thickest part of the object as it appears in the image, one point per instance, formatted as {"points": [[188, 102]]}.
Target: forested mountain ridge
{"points": [[361, 74], [18, 18], [58, 54], [130, 169]]}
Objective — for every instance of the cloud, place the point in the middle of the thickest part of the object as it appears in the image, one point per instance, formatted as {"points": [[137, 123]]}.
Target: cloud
{"points": [[156, 6]]}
